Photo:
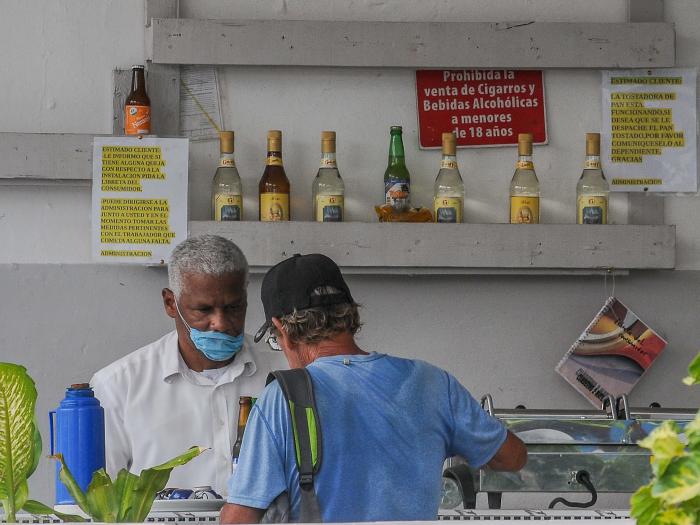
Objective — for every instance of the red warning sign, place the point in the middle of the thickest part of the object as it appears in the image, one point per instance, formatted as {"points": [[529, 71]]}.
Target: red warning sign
{"points": [[483, 107]]}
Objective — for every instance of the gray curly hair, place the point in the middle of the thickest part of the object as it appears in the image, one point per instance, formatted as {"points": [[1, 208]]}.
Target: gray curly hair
{"points": [[207, 255], [313, 325]]}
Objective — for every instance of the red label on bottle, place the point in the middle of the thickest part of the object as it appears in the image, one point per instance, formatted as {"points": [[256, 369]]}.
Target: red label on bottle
{"points": [[481, 107]]}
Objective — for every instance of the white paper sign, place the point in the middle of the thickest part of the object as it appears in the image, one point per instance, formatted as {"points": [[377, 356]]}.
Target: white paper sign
{"points": [[139, 198], [649, 130], [199, 102]]}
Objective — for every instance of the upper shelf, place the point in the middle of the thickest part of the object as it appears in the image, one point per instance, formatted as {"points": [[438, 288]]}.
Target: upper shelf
{"points": [[49, 156], [454, 248], [435, 45]]}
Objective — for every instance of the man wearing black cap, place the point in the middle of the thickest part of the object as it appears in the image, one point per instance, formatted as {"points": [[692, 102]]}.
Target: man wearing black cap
{"points": [[388, 423]]}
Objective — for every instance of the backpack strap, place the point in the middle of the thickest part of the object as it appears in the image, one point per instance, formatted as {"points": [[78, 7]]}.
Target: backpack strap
{"points": [[298, 391]]}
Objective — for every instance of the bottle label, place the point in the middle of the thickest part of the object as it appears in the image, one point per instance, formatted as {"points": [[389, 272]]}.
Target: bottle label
{"points": [[448, 209], [592, 164], [524, 210], [228, 207], [274, 161], [137, 120], [524, 165], [274, 207], [329, 208], [397, 192], [328, 163], [448, 164], [592, 210], [227, 162]]}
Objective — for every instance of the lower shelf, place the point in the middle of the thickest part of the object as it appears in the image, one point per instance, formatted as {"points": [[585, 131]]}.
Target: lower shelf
{"points": [[455, 248]]}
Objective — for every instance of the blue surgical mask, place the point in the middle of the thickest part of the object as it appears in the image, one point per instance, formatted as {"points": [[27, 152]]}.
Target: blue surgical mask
{"points": [[216, 346]]}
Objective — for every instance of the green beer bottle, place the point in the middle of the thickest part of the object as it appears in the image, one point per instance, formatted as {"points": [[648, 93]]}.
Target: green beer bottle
{"points": [[397, 181]]}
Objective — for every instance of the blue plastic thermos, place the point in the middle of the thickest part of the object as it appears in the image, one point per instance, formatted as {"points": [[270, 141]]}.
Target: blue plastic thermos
{"points": [[79, 433]]}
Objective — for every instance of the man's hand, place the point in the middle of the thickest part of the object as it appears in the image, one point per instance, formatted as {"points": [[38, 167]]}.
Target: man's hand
{"points": [[234, 513], [511, 456]]}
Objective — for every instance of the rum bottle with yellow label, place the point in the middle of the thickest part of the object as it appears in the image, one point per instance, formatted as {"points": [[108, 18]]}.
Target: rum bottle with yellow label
{"points": [[448, 199], [273, 189], [592, 190], [226, 189], [524, 186], [328, 192]]}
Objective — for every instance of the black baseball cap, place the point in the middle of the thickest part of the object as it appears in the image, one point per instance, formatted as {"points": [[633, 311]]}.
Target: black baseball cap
{"points": [[290, 285]]}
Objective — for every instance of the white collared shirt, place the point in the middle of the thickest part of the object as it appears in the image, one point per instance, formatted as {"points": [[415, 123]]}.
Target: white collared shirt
{"points": [[156, 408]]}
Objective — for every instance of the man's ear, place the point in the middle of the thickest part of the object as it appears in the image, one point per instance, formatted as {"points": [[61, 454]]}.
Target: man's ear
{"points": [[283, 339], [169, 303]]}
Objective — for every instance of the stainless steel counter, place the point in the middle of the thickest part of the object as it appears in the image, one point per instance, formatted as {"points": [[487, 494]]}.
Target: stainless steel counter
{"points": [[552, 517]]}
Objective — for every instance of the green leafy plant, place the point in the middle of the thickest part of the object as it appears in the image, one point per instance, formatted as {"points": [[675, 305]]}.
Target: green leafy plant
{"points": [[128, 499], [673, 495], [20, 443]]}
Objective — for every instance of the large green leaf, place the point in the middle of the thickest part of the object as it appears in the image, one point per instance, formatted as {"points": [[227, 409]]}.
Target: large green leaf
{"points": [[693, 372], [665, 445], [102, 498], [36, 507], [17, 432], [692, 434], [149, 482], [675, 517], [680, 482], [644, 506], [74, 489], [144, 492], [37, 448], [126, 481]]}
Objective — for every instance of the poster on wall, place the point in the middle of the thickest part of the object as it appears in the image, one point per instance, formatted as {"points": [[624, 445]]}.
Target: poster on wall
{"points": [[649, 130], [139, 198], [482, 107], [200, 103]]}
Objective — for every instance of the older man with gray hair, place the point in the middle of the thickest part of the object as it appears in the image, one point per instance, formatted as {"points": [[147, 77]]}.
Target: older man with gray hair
{"points": [[184, 388]]}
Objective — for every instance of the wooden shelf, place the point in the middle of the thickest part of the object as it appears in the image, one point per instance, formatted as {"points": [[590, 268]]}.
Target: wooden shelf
{"points": [[47, 156], [455, 248], [435, 45]]}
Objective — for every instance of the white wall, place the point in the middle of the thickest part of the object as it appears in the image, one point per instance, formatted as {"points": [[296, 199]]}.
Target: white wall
{"points": [[64, 317]]}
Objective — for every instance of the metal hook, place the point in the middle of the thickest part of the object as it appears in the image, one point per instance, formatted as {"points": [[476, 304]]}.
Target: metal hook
{"points": [[609, 401], [487, 404], [625, 410]]}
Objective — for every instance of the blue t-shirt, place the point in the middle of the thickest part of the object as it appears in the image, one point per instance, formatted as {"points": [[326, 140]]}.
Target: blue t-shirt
{"points": [[387, 426]]}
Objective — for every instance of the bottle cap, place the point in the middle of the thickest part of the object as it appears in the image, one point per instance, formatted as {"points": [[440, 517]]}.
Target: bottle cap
{"points": [[243, 400], [139, 66], [449, 144], [80, 386], [226, 141], [592, 144], [396, 129], [525, 144], [328, 142], [274, 140]]}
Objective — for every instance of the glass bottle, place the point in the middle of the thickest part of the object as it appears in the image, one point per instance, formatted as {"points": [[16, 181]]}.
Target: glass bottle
{"points": [[524, 186], [245, 404], [137, 107], [273, 189], [226, 188], [397, 180], [328, 190], [448, 199], [592, 190]]}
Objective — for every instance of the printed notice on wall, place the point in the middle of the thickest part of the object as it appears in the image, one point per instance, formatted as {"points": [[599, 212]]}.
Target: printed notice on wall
{"points": [[481, 107], [139, 198], [200, 102], [649, 130]]}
